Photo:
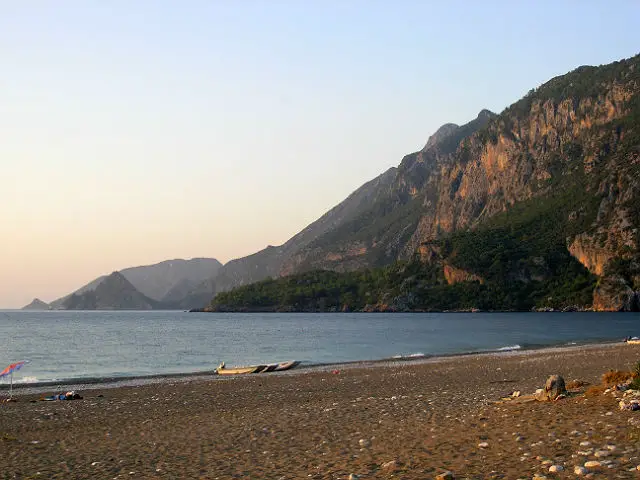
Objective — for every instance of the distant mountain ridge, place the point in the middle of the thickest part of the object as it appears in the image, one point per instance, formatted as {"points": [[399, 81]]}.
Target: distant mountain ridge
{"points": [[164, 284], [37, 304], [115, 292]]}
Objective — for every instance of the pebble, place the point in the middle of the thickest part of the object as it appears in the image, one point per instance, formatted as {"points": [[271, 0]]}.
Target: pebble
{"points": [[580, 470], [585, 444], [353, 476], [592, 464], [602, 453], [483, 445], [445, 476], [392, 465], [364, 442], [556, 468]]}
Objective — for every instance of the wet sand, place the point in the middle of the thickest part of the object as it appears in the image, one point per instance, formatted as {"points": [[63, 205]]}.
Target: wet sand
{"points": [[403, 420]]}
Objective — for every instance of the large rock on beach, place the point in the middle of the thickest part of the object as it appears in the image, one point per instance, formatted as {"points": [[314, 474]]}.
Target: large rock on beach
{"points": [[553, 389]]}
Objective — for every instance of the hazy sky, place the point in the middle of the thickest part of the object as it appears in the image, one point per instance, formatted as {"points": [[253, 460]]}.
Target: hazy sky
{"points": [[137, 131]]}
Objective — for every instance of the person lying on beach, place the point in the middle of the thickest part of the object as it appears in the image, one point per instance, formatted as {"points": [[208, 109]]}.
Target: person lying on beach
{"points": [[72, 395]]}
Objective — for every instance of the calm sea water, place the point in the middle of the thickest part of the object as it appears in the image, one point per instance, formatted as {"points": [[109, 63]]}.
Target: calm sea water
{"points": [[71, 345]]}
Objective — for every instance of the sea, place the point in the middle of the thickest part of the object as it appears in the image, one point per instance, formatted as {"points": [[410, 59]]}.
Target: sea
{"points": [[76, 345]]}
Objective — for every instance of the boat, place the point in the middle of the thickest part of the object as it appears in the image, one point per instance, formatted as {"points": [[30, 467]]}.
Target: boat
{"points": [[271, 367], [632, 340]]}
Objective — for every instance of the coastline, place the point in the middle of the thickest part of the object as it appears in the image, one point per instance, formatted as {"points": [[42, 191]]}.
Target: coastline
{"points": [[111, 382], [410, 420]]}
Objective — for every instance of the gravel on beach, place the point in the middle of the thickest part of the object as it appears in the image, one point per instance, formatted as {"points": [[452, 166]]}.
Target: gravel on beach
{"points": [[402, 420]]}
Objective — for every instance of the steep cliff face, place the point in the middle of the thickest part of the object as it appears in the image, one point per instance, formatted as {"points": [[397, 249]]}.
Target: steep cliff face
{"points": [[574, 139], [539, 199], [383, 232], [613, 294], [455, 275]]}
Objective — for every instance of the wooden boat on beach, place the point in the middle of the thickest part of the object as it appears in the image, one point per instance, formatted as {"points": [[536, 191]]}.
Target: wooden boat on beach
{"points": [[632, 340], [271, 367]]}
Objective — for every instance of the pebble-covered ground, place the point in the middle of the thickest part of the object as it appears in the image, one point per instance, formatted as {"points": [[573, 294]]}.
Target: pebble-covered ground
{"points": [[406, 421]]}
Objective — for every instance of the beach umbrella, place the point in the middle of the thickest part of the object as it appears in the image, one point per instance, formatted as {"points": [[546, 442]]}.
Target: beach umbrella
{"points": [[9, 371]]}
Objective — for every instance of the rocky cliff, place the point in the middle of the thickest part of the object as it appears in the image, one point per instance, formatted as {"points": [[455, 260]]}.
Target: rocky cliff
{"points": [[548, 187]]}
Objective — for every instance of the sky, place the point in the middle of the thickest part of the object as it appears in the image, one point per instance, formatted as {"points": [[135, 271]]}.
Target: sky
{"points": [[136, 132]]}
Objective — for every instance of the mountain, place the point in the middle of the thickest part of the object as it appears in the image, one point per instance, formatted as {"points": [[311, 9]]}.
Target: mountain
{"points": [[37, 304], [196, 297], [156, 281], [115, 292], [302, 252], [168, 283], [58, 303], [272, 260], [536, 207]]}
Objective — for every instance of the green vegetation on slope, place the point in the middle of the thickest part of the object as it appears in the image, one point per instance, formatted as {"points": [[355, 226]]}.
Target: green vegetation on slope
{"points": [[583, 82], [521, 256]]}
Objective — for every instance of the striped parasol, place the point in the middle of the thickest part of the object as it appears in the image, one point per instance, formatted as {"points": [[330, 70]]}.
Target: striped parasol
{"points": [[9, 371]]}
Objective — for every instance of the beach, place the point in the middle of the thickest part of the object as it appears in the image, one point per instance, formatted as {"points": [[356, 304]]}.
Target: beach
{"points": [[403, 420]]}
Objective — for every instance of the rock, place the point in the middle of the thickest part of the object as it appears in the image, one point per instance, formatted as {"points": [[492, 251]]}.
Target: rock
{"points": [[445, 476], [613, 294], [592, 464], [578, 470], [556, 468], [553, 388], [364, 442], [353, 476], [629, 405], [602, 453], [483, 445], [389, 466], [585, 444]]}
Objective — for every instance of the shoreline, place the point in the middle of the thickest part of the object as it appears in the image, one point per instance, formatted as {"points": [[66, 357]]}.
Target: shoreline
{"points": [[114, 382], [384, 420]]}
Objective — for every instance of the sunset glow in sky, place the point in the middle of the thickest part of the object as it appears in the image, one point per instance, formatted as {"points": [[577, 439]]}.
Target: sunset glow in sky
{"points": [[136, 132]]}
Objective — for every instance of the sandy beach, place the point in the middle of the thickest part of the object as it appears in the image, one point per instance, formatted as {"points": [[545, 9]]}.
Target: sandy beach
{"points": [[403, 420]]}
